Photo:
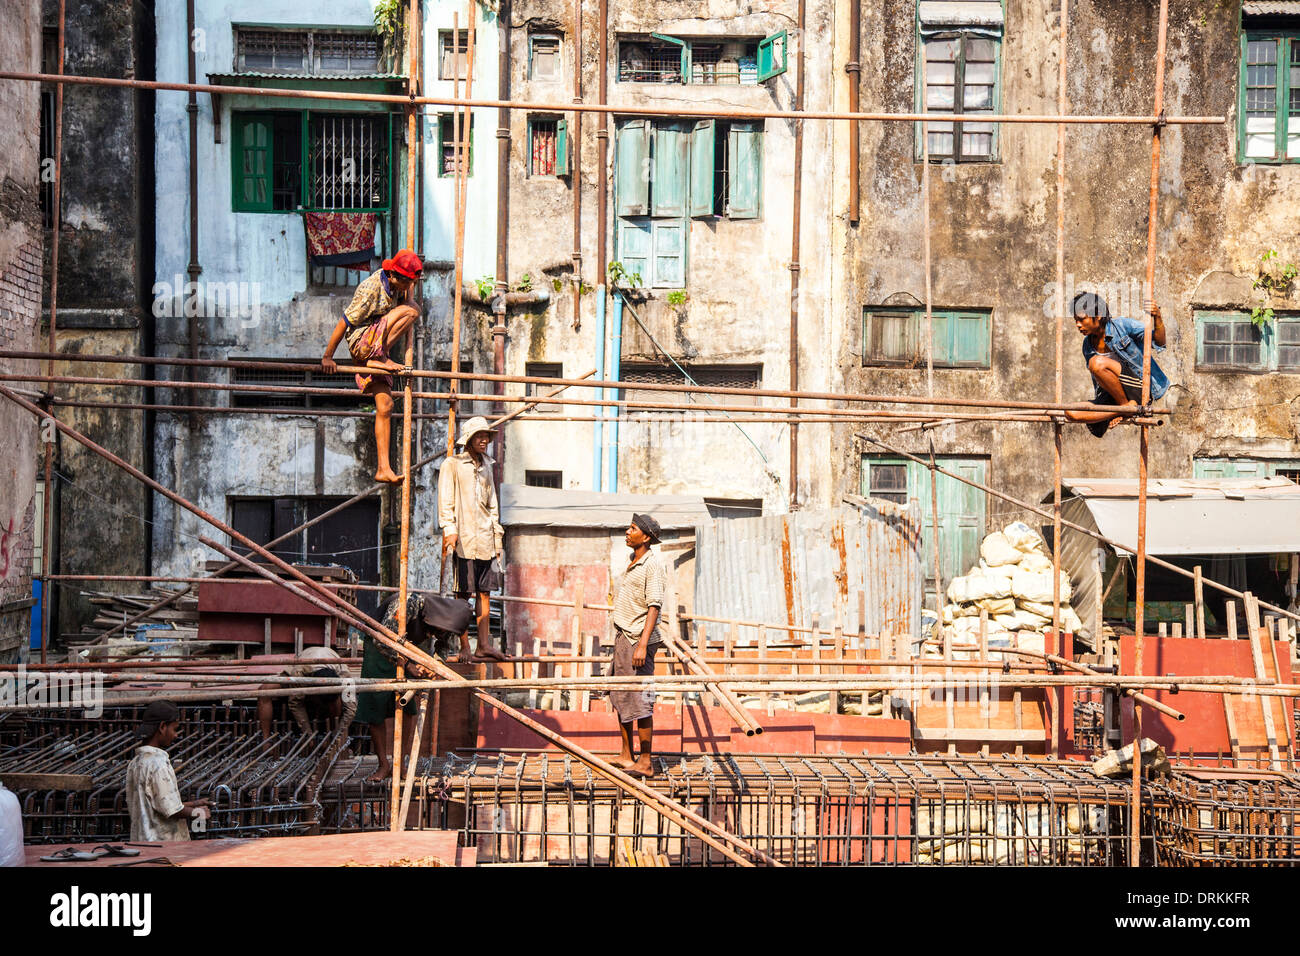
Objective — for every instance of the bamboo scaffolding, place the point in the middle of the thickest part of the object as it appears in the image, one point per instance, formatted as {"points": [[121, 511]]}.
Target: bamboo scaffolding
{"points": [[802, 394], [618, 109], [727, 843]]}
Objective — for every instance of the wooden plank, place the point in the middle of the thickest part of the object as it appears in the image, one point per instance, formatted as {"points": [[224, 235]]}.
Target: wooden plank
{"points": [[575, 640], [1281, 701], [1189, 620], [984, 686], [1232, 726], [1198, 591], [996, 735], [45, 781], [1230, 615], [1257, 657]]}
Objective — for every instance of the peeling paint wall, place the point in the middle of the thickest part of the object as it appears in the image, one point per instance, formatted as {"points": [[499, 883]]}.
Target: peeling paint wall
{"points": [[993, 237], [20, 298], [280, 316], [737, 272], [104, 245]]}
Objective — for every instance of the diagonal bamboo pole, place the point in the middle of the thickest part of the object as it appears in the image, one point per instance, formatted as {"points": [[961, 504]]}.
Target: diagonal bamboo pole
{"points": [[729, 844]]}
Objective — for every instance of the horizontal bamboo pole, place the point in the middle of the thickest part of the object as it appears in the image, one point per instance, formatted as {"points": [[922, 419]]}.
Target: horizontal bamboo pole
{"points": [[801, 395], [673, 106]]}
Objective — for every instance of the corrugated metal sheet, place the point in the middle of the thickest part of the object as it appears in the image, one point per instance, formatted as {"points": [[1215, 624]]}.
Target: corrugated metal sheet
{"points": [[784, 569], [1264, 8], [524, 505], [1079, 561]]}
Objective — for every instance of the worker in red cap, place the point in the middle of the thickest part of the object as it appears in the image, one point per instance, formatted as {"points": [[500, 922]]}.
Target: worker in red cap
{"points": [[378, 316]]}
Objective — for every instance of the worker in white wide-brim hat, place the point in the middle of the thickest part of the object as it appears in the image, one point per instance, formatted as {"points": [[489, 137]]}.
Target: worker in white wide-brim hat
{"points": [[471, 528]]}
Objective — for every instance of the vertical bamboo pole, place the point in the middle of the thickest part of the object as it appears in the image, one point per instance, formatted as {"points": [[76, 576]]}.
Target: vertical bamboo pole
{"points": [[1198, 593], [56, 218], [575, 639], [396, 820], [1143, 433], [934, 545], [1062, 106]]}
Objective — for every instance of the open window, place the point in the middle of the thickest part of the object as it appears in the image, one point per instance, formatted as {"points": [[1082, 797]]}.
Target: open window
{"points": [[772, 56], [548, 146], [706, 61]]}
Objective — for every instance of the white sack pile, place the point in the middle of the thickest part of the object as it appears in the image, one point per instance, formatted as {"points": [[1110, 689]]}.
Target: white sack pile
{"points": [[1013, 583]]}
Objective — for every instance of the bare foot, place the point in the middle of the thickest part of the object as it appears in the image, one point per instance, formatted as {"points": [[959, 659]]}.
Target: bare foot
{"points": [[488, 653], [387, 476], [382, 774], [622, 763], [387, 365], [642, 768]]}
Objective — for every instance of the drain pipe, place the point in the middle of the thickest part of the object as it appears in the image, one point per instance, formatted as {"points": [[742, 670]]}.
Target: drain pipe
{"points": [[854, 69], [794, 262], [615, 356], [194, 269], [575, 179], [598, 426], [500, 300]]}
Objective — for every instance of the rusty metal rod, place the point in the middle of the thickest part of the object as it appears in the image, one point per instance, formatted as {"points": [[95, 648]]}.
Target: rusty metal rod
{"points": [[616, 109], [1160, 562], [803, 395], [1140, 556]]}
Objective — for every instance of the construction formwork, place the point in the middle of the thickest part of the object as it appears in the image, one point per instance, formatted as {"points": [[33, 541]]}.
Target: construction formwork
{"points": [[1001, 837]]}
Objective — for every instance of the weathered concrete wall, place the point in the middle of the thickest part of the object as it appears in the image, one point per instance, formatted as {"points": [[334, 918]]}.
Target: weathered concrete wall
{"points": [[993, 236], [20, 299], [278, 315], [737, 276], [103, 245]]}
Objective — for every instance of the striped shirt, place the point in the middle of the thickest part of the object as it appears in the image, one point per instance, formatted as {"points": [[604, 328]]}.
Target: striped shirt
{"points": [[640, 589], [369, 304]]}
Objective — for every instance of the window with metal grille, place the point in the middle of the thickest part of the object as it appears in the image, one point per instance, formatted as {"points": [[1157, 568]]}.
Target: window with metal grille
{"points": [[544, 479], [1268, 108], [453, 55], [704, 61], [1231, 341], [544, 56], [270, 51], [348, 156], [348, 161], [310, 375], [331, 52], [448, 151], [897, 337], [542, 370], [716, 376], [960, 72], [49, 64], [341, 277], [547, 146]]}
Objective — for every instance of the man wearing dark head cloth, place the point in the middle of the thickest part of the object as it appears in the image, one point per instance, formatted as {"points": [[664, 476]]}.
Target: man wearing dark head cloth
{"points": [[152, 798], [637, 603]]}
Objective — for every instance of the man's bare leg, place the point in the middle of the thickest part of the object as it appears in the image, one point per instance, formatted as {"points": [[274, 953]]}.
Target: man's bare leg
{"points": [[380, 734], [383, 431], [485, 651], [264, 705], [645, 728], [1105, 372], [624, 758]]}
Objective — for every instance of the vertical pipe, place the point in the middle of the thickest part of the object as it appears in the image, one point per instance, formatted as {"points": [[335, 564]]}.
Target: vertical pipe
{"points": [[396, 821], [193, 269], [458, 274], [598, 427], [794, 257], [1153, 198], [934, 549], [1061, 107], [602, 138], [56, 221], [925, 239], [854, 69], [615, 361], [575, 181], [503, 231]]}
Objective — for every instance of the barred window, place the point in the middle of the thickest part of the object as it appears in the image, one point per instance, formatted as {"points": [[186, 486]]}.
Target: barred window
{"points": [[349, 161], [310, 375], [544, 479], [310, 52], [542, 370], [1231, 341], [715, 376]]}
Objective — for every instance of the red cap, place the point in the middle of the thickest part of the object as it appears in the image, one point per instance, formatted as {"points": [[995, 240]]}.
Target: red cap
{"points": [[405, 263]]}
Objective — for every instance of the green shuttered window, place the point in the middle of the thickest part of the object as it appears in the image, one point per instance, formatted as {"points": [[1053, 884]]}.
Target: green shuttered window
{"points": [[251, 155], [1229, 341], [1268, 104], [896, 338]]}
